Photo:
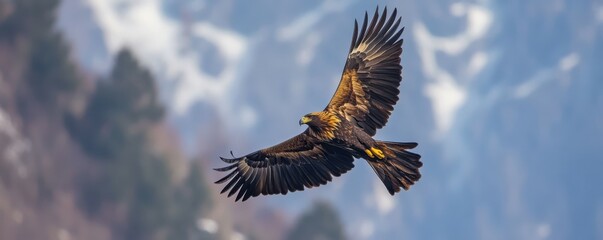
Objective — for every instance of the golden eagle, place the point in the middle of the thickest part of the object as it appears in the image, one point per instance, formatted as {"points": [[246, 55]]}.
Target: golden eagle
{"points": [[362, 103]]}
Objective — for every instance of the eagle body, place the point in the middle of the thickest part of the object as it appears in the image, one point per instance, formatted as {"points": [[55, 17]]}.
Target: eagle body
{"points": [[343, 131], [344, 134]]}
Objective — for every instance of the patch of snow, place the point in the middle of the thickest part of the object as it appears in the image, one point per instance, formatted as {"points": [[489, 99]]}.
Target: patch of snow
{"points": [[479, 20], [565, 64], [532, 84], [447, 94], [384, 202], [157, 40], [249, 116], [308, 50], [208, 225], [196, 6], [569, 62], [477, 63], [367, 229], [133, 24], [458, 9], [599, 14], [237, 236], [17, 145], [17, 216], [447, 97], [231, 44], [307, 22], [63, 234], [543, 231]]}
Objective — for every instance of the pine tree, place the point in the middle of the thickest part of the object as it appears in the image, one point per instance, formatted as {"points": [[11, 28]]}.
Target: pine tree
{"points": [[113, 129], [191, 202], [149, 205], [30, 19], [50, 73], [321, 222], [119, 111]]}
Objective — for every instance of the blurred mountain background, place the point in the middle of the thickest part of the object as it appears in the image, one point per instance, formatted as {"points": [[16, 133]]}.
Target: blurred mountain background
{"points": [[114, 112]]}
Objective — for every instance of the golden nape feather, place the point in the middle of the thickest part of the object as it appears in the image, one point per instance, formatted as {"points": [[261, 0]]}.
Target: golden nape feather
{"points": [[330, 124], [361, 104]]}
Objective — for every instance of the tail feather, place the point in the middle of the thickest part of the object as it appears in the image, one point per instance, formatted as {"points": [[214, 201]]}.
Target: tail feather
{"points": [[400, 168]]}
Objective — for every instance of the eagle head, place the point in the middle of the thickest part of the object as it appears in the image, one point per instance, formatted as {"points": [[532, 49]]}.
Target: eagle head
{"points": [[311, 119], [307, 119]]}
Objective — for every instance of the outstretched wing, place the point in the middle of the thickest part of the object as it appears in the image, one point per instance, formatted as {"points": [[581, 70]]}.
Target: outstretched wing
{"points": [[288, 166], [368, 89]]}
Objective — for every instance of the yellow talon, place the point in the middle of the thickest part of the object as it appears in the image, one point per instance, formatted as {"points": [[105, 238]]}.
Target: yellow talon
{"points": [[377, 153], [374, 152], [369, 153]]}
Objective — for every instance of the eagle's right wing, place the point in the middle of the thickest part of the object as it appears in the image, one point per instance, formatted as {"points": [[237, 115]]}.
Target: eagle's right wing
{"points": [[368, 89], [288, 166]]}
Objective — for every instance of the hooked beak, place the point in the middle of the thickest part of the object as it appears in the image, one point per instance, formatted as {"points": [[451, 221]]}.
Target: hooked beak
{"points": [[304, 120]]}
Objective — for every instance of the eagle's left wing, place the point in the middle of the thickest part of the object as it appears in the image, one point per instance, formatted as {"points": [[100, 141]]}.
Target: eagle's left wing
{"points": [[368, 89], [288, 166]]}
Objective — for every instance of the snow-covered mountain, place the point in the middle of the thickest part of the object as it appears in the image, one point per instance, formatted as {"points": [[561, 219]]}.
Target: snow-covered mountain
{"points": [[504, 97]]}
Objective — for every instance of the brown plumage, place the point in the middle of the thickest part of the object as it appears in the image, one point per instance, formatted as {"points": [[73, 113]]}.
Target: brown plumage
{"points": [[362, 103]]}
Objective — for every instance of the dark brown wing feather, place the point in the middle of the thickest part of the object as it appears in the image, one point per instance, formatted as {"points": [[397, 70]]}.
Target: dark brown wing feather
{"points": [[287, 167], [368, 89]]}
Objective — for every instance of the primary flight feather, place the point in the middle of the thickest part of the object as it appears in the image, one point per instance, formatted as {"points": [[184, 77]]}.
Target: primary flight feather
{"points": [[362, 103]]}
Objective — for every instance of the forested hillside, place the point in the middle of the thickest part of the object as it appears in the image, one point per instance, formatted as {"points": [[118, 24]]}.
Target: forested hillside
{"points": [[91, 157], [82, 156]]}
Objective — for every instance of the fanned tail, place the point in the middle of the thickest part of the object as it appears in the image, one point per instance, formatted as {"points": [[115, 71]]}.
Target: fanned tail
{"points": [[400, 168]]}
